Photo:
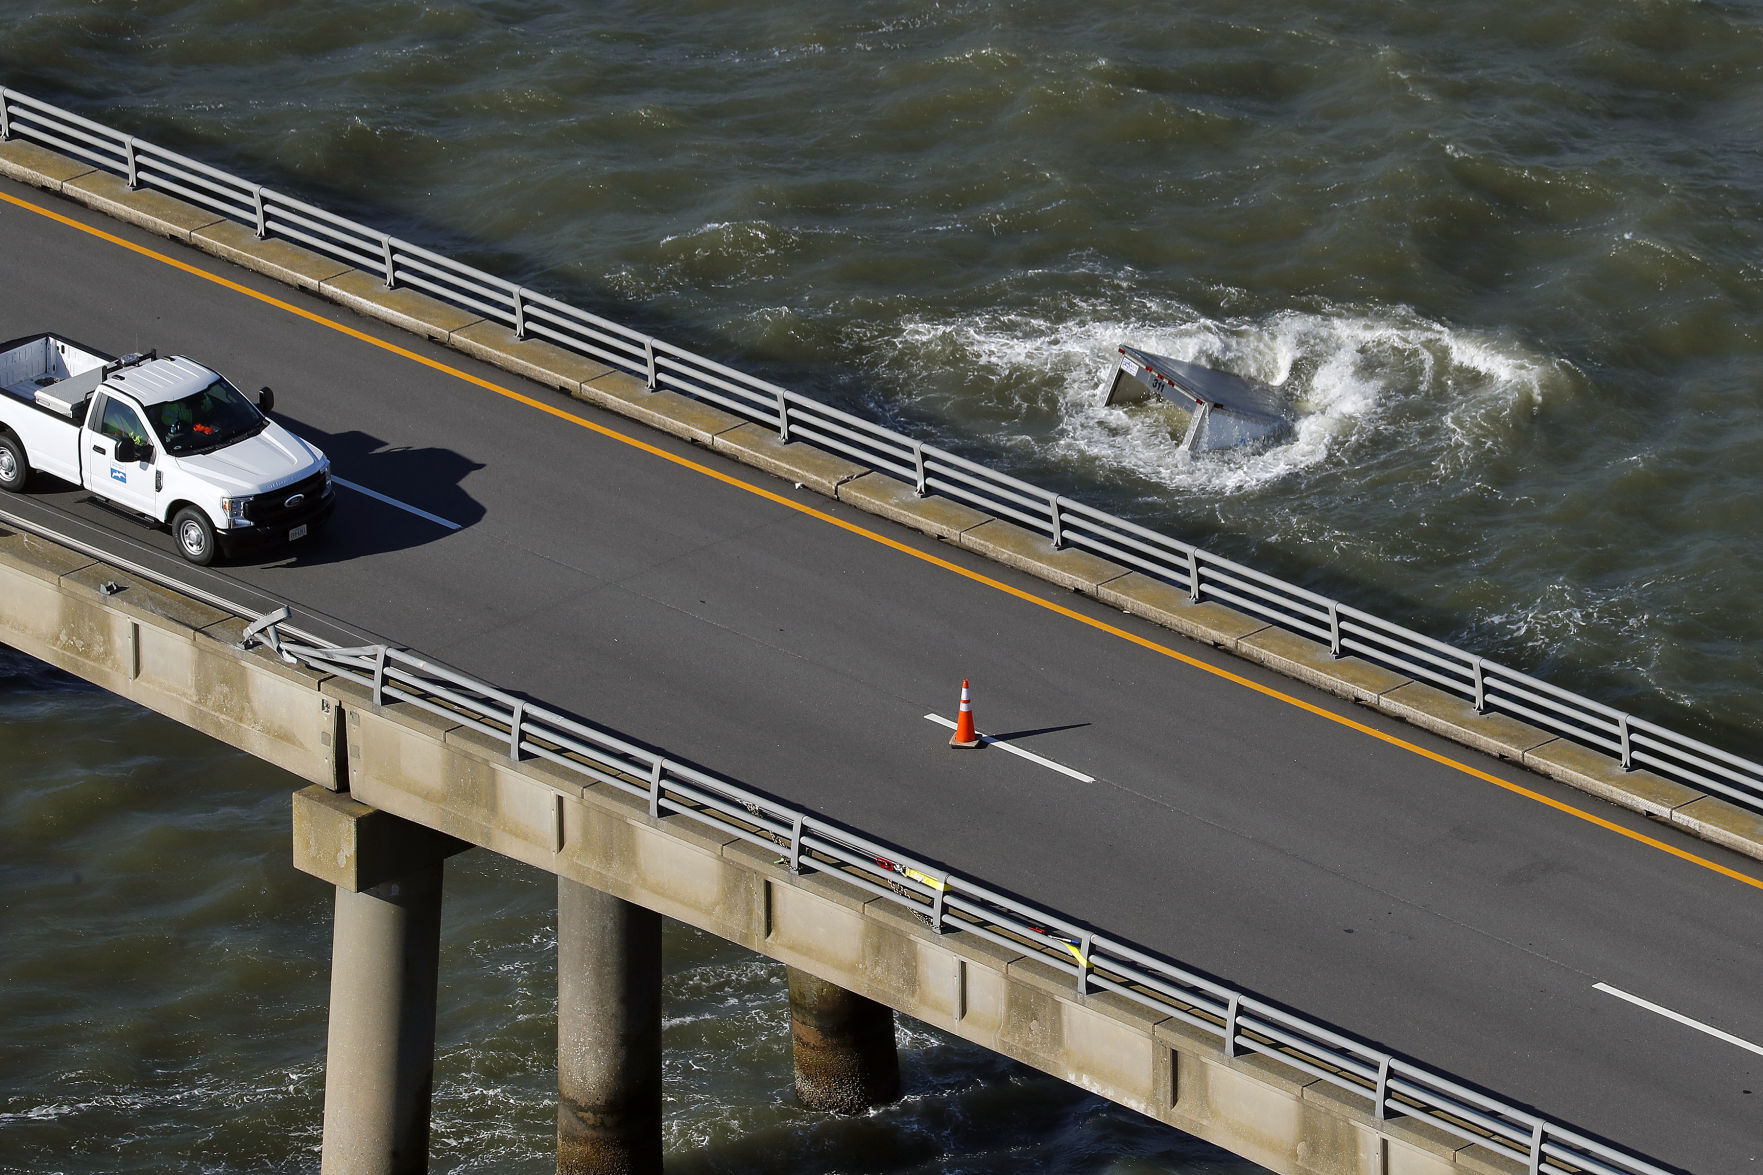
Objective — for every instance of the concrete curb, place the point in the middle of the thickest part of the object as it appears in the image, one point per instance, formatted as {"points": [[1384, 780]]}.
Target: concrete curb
{"points": [[38, 166], [808, 467], [881, 495], [289, 264], [368, 294], [1709, 817], [154, 211]]}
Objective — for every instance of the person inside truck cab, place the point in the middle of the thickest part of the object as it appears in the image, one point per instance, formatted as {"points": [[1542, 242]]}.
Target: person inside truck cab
{"points": [[121, 423], [204, 420]]}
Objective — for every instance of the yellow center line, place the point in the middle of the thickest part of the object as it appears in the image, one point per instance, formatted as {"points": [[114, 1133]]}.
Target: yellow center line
{"points": [[895, 544]]}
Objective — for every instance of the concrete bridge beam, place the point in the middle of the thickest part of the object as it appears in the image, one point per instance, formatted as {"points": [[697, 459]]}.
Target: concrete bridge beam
{"points": [[608, 1034], [846, 1058]]}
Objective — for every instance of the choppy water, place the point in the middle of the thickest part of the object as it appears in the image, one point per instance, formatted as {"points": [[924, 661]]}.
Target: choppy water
{"points": [[1504, 255]]}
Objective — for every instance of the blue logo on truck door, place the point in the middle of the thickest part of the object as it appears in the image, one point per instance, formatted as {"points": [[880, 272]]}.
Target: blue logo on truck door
{"points": [[118, 475]]}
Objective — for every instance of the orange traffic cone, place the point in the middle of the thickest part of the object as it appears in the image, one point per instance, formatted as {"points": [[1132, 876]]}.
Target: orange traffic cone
{"points": [[965, 734]]}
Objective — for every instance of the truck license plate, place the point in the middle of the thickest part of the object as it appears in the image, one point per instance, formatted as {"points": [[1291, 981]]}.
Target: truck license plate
{"points": [[299, 532]]}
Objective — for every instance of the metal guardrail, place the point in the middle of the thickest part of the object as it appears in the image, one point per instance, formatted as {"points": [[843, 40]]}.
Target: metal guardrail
{"points": [[952, 903], [1490, 686]]}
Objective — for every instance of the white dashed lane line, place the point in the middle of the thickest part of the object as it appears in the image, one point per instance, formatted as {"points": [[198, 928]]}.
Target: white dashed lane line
{"points": [[992, 741], [405, 506], [1636, 1000]]}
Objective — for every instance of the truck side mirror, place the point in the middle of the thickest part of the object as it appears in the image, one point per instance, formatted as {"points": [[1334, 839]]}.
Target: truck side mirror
{"points": [[266, 399], [127, 450]]}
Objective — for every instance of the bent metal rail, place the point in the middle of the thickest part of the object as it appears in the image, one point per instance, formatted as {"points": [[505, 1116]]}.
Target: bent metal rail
{"points": [[1491, 686], [947, 901]]}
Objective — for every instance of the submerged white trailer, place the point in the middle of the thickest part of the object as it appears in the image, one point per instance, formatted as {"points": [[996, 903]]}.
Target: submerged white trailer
{"points": [[167, 439], [1223, 411]]}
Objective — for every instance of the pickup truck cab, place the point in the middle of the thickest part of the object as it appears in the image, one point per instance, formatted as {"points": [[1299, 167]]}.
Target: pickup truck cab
{"points": [[167, 439]]}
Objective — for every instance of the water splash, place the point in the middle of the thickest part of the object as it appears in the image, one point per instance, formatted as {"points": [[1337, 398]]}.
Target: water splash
{"points": [[1377, 379]]}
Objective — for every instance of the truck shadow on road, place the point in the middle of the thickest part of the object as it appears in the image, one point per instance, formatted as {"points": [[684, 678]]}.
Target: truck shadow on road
{"points": [[389, 498]]}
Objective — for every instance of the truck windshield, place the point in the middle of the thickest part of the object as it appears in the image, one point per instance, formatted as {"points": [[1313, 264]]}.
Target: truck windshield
{"points": [[215, 416]]}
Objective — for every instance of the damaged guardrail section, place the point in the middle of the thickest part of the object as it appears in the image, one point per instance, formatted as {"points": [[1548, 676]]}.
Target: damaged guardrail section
{"points": [[1204, 577], [953, 904]]}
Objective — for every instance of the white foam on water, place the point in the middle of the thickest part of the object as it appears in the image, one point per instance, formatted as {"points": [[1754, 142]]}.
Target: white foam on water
{"points": [[1386, 378]]}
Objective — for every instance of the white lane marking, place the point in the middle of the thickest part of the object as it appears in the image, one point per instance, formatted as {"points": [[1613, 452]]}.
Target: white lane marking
{"points": [[1728, 1037], [989, 740], [434, 518]]}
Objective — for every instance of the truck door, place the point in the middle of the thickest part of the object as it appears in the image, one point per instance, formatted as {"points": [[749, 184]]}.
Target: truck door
{"points": [[127, 483]]}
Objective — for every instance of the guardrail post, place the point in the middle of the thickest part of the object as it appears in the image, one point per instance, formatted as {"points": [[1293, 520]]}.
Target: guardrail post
{"points": [[1536, 1149], [918, 467], [1230, 1027], [519, 314], [1481, 685], [796, 844], [379, 675], [391, 270], [655, 773], [1383, 1089], [1194, 574], [783, 417], [1334, 629], [654, 373], [1058, 522], [936, 906], [128, 146], [265, 626], [5, 113], [1627, 745], [514, 725], [1083, 962], [262, 212]]}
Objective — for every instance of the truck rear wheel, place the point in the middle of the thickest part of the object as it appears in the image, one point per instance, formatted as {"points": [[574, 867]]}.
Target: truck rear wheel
{"points": [[15, 468], [194, 535]]}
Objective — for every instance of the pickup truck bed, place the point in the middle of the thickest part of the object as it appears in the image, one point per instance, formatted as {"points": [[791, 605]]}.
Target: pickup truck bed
{"points": [[51, 373]]}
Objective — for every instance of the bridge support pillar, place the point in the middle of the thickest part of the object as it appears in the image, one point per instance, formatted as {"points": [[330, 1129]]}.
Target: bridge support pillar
{"points": [[385, 953], [379, 1062], [846, 1059], [608, 1034]]}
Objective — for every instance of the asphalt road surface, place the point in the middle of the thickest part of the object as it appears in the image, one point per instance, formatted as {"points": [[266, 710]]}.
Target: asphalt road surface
{"points": [[1359, 882]]}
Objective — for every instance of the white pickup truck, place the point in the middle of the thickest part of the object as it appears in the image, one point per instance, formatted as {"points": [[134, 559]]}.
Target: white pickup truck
{"points": [[167, 439]]}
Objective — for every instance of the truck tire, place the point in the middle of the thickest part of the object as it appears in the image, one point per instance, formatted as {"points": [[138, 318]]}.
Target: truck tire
{"points": [[15, 468], [194, 535]]}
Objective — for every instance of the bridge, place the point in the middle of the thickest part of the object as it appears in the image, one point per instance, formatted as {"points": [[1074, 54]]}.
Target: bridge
{"points": [[1244, 875]]}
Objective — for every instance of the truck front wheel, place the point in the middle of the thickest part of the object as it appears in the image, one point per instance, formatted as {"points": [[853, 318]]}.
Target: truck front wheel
{"points": [[194, 535], [15, 469]]}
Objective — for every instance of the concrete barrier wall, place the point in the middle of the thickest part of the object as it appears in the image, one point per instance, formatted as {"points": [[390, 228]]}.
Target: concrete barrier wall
{"points": [[1706, 816], [169, 652], [182, 658]]}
